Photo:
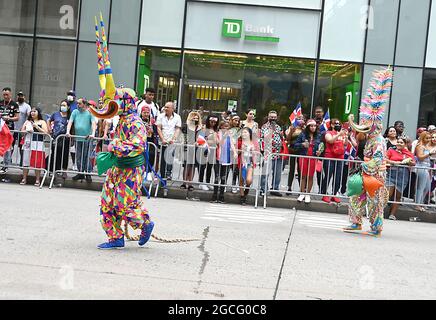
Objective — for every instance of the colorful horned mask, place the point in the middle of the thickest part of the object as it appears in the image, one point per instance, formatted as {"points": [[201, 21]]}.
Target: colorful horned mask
{"points": [[374, 103], [116, 101]]}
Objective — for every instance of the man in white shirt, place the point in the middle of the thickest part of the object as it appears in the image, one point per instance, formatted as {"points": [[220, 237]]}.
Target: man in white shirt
{"points": [[169, 126]]}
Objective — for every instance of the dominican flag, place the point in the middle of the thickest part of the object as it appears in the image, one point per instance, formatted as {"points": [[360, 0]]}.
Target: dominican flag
{"points": [[6, 138], [350, 151], [201, 140], [325, 126], [297, 113]]}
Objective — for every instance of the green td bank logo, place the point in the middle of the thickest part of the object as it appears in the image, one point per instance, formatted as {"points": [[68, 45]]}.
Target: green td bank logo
{"points": [[232, 28]]}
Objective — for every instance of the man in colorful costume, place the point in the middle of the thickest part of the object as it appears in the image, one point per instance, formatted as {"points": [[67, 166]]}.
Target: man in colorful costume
{"points": [[121, 195], [372, 195]]}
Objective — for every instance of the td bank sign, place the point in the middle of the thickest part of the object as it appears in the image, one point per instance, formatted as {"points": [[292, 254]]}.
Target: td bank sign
{"points": [[233, 28]]}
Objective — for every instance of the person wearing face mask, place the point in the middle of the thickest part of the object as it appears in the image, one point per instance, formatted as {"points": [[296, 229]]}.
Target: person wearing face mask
{"points": [[71, 100], [336, 142], [57, 125], [271, 142], [193, 128], [24, 109]]}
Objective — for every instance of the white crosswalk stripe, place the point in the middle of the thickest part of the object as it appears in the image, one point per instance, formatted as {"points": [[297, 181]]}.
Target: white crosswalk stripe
{"points": [[322, 222], [244, 215]]}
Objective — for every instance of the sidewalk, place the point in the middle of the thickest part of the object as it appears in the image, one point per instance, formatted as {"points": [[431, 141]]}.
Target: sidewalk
{"points": [[405, 212]]}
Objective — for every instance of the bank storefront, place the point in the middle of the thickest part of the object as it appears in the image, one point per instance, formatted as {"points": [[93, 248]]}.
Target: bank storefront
{"points": [[220, 55]]}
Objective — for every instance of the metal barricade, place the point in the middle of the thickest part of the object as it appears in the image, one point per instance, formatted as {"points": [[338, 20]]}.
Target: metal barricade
{"points": [[30, 151], [178, 163]]}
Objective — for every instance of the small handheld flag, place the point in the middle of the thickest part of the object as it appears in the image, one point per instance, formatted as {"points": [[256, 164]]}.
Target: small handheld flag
{"points": [[326, 122], [294, 116]]}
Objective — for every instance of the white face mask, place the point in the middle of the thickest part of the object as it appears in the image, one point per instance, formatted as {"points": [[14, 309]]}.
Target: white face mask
{"points": [[64, 109], [70, 98]]}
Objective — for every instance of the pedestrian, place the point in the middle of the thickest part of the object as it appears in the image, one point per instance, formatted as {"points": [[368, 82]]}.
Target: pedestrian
{"points": [[246, 162], [391, 137], [399, 126], [307, 145], [152, 143], [71, 100], [319, 118], [10, 113], [24, 108], [57, 125], [398, 173], [336, 142], [33, 145], [250, 123], [211, 136], [169, 126], [226, 155], [423, 152], [193, 129], [292, 134], [271, 144], [85, 126], [235, 132], [148, 100]]}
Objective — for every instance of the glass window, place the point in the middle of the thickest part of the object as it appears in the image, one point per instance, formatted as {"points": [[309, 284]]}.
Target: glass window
{"points": [[367, 75], [412, 33], [219, 82], [89, 10], [382, 28], [122, 60], [125, 21], [162, 23], [15, 63], [57, 18], [338, 89], [159, 69], [53, 72], [405, 98], [427, 109], [17, 16], [343, 33], [431, 44], [87, 84]]}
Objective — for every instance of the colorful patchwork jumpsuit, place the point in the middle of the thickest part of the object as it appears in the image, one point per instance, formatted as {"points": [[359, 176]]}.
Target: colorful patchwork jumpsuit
{"points": [[121, 195], [375, 150]]}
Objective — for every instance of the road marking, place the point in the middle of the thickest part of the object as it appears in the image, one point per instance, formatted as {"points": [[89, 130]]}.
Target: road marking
{"points": [[322, 222], [234, 214]]}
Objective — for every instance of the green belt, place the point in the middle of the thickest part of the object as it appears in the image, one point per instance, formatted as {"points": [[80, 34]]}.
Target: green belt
{"points": [[129, 162]]}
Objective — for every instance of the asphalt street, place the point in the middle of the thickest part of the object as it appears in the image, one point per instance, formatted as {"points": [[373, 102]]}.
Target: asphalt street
{"points": [[48, 242]]}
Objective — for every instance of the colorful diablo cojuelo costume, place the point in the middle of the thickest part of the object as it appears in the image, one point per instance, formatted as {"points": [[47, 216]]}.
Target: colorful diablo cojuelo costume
{"points": [[372, 194], [121, 195]]}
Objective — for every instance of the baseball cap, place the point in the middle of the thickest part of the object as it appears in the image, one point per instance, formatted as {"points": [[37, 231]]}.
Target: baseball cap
{"points": [[92, 103], [71, 93], [431, 128], [20, 93]]}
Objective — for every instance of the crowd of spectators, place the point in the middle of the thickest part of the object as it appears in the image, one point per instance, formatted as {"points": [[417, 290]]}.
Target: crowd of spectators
{"points": [[215, 146]]}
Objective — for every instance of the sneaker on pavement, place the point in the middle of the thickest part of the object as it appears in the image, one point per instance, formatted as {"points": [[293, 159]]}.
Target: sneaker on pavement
{"points": [[307, 199], [147, 229], [276, 194], [392, 217], [301, 198], [326, 199], [112, 244], [337, 200], [3, 170], [234, 190], [354, 227], [6, 180], [210, 188], [88, 178], [375, 233], [78, 177], [204, 187]]}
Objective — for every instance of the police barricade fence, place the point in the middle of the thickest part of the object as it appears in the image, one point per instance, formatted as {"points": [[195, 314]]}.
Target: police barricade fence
{"points": [[192, 164], [83, 164], [30, 151], [417, 184]]}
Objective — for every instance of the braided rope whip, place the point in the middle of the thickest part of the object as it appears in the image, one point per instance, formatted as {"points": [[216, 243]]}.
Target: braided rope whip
{"points": [[136, 237]]}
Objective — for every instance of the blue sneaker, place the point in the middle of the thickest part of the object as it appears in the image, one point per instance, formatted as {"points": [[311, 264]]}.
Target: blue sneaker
{"points": [[354, 227], [375, 233], [147, 229], [112, 244]]}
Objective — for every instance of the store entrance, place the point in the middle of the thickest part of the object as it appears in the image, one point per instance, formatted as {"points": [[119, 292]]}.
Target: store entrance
{"points": [[213, 97]]}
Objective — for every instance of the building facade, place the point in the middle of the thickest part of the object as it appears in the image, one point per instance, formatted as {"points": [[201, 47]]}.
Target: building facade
{"points": [[228, 55]]}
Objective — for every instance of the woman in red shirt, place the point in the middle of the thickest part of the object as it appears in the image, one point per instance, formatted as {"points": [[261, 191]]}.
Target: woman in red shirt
{"points": [[398, 174]]}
